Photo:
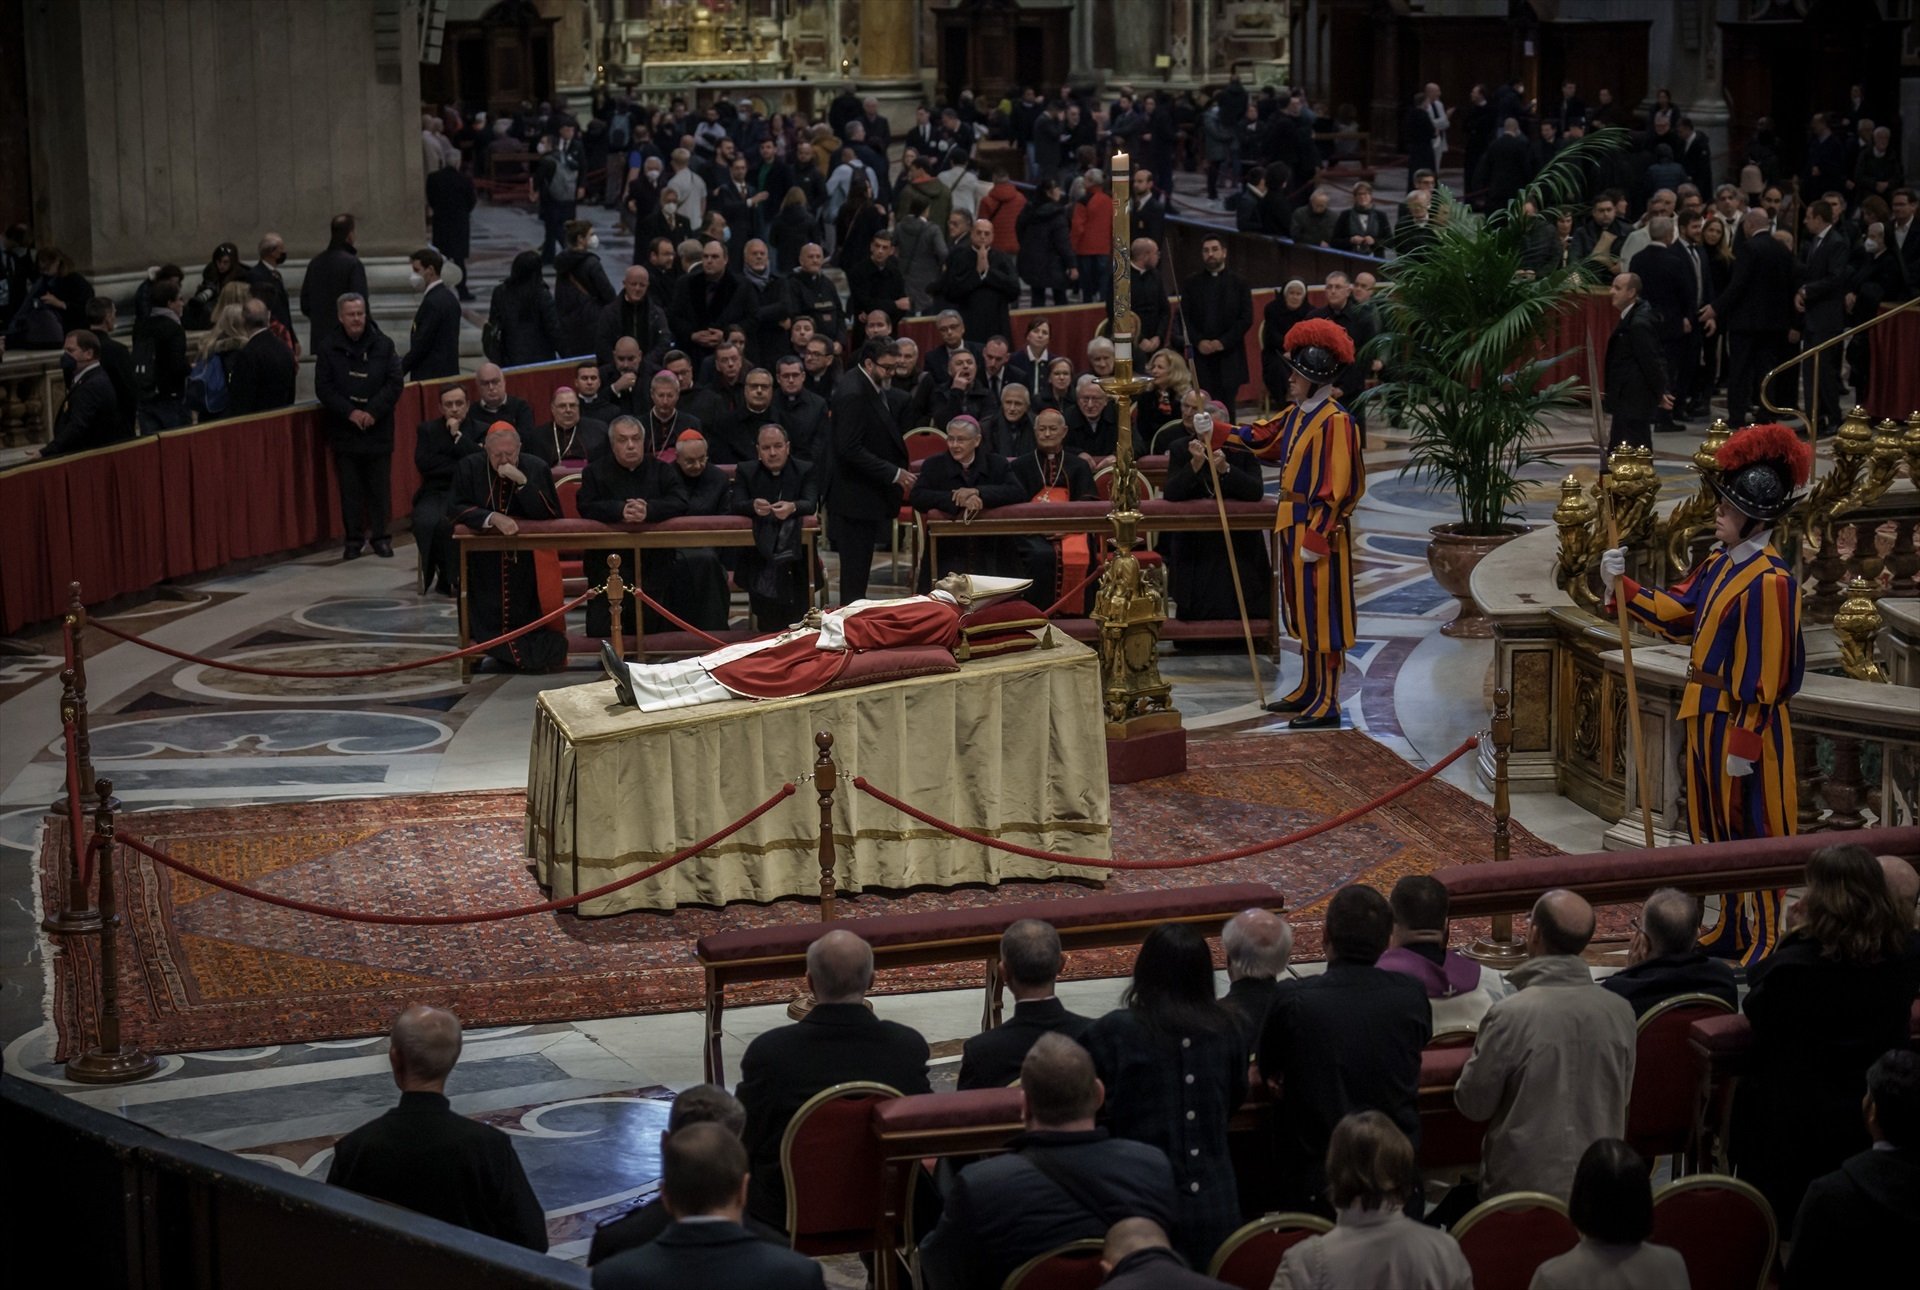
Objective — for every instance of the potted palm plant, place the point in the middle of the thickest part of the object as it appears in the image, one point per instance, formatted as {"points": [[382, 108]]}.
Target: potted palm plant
{"points": [[1462, 325]]}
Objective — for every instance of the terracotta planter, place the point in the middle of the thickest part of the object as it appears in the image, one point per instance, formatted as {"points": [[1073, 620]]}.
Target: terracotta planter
{"points": [[1452, 556]]}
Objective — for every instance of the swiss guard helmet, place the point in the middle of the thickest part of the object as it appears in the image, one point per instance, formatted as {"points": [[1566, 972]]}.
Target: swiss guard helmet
{"points": [[1761, 467], [1318, 349]]}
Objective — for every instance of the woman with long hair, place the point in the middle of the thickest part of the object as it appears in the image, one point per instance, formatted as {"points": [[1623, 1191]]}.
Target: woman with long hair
{"points": [[1171, 378], [1175, 1067], [522, 310], [794, 225], [858, 221], [1612, 1208], [1719, 257], [223, 267], [1824, 1005]]}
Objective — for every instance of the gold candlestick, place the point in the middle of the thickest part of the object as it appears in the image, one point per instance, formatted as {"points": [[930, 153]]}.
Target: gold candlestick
{"points": [[1132, 601]]}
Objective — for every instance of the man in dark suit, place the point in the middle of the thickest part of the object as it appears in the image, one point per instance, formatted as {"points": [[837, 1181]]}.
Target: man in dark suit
{"points": [[981, 283], [1150, 303], [1664, 958], [424, 1156], [160, 364], [1216, 308], [450, 201], [90, 417], [1504, 168], [357, 381], [701, 1104], [952, 329], [1636, 373], [704, 1186], [1667, 286], [839, 1040], [1346, 1040], [870, 476], [115, 358], [1417, 136], [1257, 943], [492, 403], [268, 285], [1903, 241], [1757, 306], [964, 482], [1696, 154], [435, 351], [333, 273], [1030, 968], [264, 372], [777, 491], [1824, 269], [1825, 169], [1857, 1225], [1062, 1179]]}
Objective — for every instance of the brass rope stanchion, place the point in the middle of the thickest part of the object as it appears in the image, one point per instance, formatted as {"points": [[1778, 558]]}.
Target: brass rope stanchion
{"points": [[75, 914], [825, 776], [1498, 949], [107, 1062], [616, 598]]}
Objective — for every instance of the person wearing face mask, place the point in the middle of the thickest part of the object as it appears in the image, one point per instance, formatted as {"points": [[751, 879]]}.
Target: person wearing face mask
{"points": [[580, 289], [1740, 611], [268, 285], [665, 221], [435, 349], [1873, 279], [90, 415], [494, 490]]}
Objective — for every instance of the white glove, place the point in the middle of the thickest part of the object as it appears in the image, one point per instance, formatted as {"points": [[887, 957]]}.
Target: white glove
{"points": [[511, 471], [1613, 566], [1310, 555], [1738, 767], [1203, 425]]}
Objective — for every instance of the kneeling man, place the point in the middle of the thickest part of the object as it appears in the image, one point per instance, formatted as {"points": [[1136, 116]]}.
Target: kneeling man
{"points": [[496, 490]]}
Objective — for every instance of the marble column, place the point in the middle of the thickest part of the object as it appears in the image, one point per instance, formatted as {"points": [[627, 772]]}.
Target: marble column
{"points": [[889, 66], [1139, 35], [1684, 55], [181, 124]]}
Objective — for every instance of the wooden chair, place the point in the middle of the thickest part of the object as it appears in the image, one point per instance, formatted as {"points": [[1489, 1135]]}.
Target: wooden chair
{"points": [[1073, 1266], [922, 442], [1506, 1238], [1249, 1258], [1669, 1097], [829, 1159], [1723, 1228], [1169, 436]]}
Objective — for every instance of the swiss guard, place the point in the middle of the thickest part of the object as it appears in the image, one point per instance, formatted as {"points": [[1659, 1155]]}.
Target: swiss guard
{"points": [[1740, 609], [1317, 444]]}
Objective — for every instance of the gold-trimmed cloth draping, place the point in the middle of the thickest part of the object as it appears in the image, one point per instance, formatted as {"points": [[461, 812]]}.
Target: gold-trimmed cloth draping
{"points": [[1011, 746]]}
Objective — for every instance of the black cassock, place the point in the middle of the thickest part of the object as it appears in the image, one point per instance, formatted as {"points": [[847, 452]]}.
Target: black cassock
{"points": [[774, 570], [697, 583], [605, 488], [1039, 557], [506, 593], [1218, 306], [1197, 573], [940, 475], [436, 452]]}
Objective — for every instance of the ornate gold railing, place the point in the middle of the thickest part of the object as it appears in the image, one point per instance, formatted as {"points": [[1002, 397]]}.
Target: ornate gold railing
{"points": [[1809, 417], [1837, 538]]}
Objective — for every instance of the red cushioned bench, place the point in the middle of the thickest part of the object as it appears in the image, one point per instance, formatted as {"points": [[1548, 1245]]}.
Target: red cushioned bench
{"points": [[1093, 921]]}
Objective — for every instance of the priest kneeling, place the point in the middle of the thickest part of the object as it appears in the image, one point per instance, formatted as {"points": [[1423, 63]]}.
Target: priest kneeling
{"points": [[808, 657], [496, 491]]}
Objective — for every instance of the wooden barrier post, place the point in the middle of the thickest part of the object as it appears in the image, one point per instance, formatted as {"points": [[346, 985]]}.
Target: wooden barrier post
{"points": [[107, 1062], [825, 776], [1498, 949], [75, 625], [616, 596], [75, 914]]}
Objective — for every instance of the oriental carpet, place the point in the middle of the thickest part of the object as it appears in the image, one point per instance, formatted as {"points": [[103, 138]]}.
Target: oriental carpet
{"points": [[204, 969]]}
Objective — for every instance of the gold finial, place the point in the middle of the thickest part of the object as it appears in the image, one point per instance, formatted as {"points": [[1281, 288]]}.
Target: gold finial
{"points": [[1856, 625]]}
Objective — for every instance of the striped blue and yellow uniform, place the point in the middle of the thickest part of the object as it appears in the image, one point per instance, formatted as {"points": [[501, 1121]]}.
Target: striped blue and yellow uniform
{"points": [[1742, 616], [1322, 479]]}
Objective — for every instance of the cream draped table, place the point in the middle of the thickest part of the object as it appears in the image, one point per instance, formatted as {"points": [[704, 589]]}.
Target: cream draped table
{"points": [[1011, 746]]}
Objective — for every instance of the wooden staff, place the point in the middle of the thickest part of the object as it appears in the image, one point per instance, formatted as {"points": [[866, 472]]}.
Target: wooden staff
{"points": [[1626, 658], [1233, 569]]}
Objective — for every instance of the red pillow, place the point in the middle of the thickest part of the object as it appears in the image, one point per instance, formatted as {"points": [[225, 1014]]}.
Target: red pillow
{"points": [[874, 666], [1004, 627]]}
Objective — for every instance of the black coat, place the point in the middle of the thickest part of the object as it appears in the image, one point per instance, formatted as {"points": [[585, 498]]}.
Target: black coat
{"points": [[1503, 170], [645, 321], [1759, 296], [1250, 999], [712, 1256], [1666, 283], [436, 454], [580, 292], [435, 350], [513, 410], [271, 287], [424, 1156], [117, 360], [528, 325], [868, 451], [358, 375], [1354, 222], [1005, 1210], [1636, 371], [1157, 1268], [263, 376], [804, 416], [1046, 243], [331, 274], [1344, 1041], [1860, 1224], [1823, 276], [700, 303], [813, 296], [89, 418], [1649, 984], [991, 1059], [451, 197], [984, 300], [644, 1225], [1150, 304], [163, 341], [940, 475], [1219, 307], [782, 1068]]}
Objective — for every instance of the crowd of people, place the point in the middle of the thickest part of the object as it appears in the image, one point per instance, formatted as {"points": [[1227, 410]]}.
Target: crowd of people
{"points": [[1126, 1135]]}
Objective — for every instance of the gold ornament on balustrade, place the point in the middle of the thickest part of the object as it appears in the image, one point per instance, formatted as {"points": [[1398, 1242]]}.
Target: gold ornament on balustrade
{"points": [[1856, 625]]}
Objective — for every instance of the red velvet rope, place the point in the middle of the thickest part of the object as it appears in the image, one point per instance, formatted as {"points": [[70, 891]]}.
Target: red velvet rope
{"points": [[341, 673], [1033, 853], [440, 920], [674, 618]]}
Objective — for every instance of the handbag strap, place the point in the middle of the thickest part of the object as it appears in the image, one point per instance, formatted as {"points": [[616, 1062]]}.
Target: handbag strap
{"points": [[1075, 1188]]}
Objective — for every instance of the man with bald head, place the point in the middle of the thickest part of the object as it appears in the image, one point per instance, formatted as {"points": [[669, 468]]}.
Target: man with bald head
{"points": [[1553, 1063], [1150, 303], [492, 403], [811, 295], [839, 1039], [1139, 1255], [493, 491], [982, 285], [1664, 959], [1030, 959], [424, 1156], [635, 313]]}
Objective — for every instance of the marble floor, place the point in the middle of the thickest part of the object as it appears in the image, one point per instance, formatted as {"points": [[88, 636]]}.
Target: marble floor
{"points": [[585, 1100]]}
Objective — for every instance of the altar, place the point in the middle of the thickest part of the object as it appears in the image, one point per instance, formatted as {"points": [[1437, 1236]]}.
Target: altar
{"points": [[1012, 746]]}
